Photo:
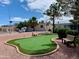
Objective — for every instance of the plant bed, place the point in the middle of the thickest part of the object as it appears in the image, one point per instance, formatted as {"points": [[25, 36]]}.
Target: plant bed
{"points": [[35, 45]]}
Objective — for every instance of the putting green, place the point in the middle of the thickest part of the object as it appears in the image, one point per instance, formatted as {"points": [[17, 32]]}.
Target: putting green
{"points": [[35, 45]]}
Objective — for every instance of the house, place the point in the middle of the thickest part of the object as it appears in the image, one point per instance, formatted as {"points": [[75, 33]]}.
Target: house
{"points": [[7, 28], [63, 25], [43, 27], [39, 27], [68, 26]]}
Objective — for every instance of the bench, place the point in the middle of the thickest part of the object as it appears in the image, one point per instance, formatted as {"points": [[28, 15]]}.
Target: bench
{"points": [[70, 39]]}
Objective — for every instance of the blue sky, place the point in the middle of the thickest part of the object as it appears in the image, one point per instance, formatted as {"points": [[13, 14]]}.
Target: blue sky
{"points": [[20, 10]]}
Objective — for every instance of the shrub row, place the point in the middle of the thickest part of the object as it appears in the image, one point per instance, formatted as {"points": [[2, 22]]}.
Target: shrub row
{"points": [[62, 33]]}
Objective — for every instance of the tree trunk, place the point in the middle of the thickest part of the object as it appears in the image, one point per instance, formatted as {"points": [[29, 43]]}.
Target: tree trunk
{"points": [[53, 24]]}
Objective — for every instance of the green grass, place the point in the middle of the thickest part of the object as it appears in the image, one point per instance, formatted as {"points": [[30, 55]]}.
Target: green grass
{"points": [[35, 45]]}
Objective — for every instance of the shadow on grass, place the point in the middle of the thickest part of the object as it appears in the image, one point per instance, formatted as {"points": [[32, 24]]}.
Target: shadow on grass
{"points": [[50, 45]]}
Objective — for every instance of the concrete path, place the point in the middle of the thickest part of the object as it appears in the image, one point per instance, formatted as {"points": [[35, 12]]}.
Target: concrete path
{"points": [[9, 52]]}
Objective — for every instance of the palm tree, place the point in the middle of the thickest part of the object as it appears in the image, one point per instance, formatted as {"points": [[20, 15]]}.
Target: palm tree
{"points": [[53, 12]]}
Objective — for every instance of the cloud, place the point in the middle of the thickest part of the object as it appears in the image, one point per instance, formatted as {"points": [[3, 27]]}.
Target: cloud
{"points": [[23, 6], [5, 2], [45, 18], [64, 19], [18, 19], [38, 5], [41, 6]]}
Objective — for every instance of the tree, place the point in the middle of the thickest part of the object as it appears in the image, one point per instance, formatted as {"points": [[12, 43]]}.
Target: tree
{"points": [[73, 8], [52, 12], [75, 12], [19, 25], [25, 24], [32, 22]]}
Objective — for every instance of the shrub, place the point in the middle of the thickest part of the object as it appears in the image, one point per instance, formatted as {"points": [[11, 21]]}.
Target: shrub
{"points": [[62, 33], [56, 30], [72, 32]]}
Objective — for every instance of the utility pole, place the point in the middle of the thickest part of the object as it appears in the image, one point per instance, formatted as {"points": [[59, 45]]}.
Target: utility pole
{"points": [[9, 20], [10, 26]]}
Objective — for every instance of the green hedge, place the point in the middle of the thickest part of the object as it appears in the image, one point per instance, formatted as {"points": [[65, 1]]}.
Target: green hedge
{"points": [[72, 32], [62, 32], [56, 30]]}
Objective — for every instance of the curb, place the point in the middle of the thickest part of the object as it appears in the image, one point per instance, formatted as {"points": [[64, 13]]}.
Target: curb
{"points": [[17, 49]]}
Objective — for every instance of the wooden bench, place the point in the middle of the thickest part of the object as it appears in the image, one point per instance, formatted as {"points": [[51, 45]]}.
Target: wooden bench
{"points": [[70, 39]]}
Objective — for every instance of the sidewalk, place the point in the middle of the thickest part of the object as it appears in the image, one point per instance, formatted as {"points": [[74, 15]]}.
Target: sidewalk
{"points": [[9, 52]]}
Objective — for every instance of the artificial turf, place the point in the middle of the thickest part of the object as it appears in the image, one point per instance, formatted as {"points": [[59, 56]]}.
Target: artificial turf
{"points": [[35, 45]]}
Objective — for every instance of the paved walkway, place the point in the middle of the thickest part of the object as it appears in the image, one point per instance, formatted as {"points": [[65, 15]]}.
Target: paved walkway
{"points": [[9, 52]]}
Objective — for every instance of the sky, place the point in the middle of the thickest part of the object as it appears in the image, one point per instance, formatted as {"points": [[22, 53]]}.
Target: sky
{"points": [[20, 10]]}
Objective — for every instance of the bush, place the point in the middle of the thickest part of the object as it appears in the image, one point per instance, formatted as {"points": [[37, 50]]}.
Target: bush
{"points": [[72, 32], [62, 33], [56, 30]]}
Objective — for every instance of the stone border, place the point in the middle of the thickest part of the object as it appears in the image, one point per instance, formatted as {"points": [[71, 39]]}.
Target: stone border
{"points": [[17, 49]]}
